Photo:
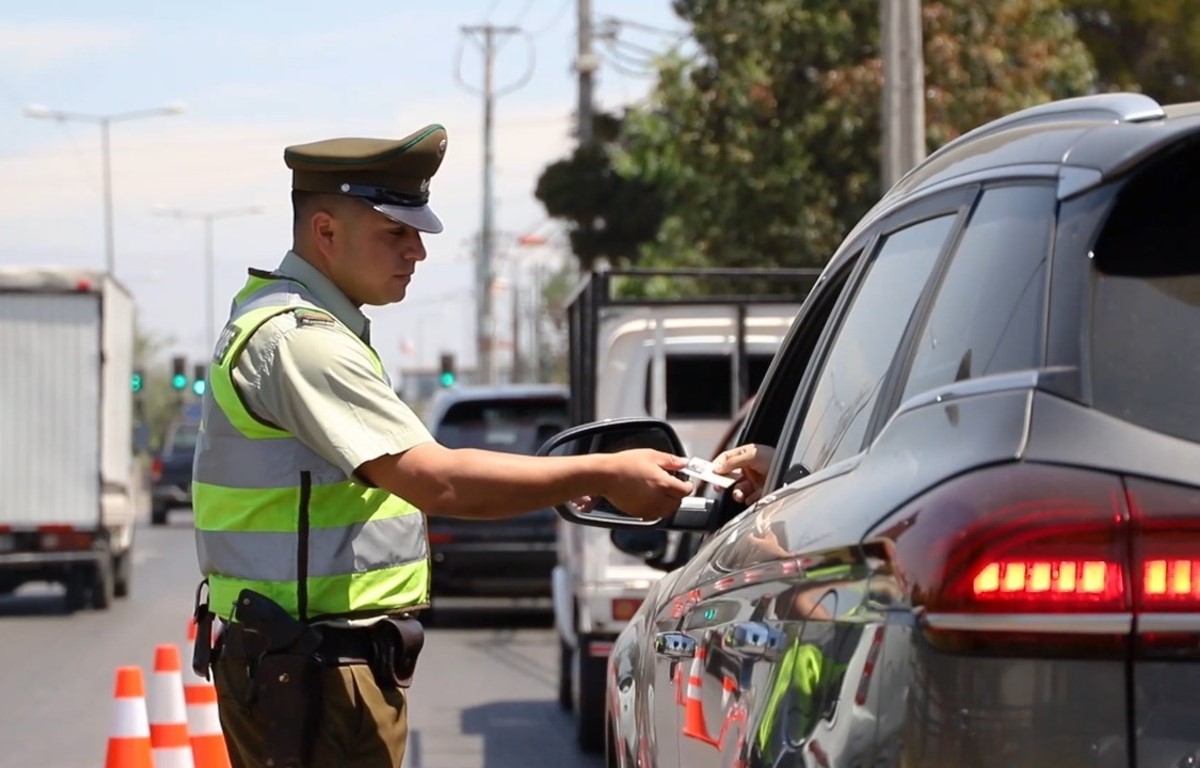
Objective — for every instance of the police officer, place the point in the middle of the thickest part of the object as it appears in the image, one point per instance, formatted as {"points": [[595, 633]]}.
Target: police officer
{"points": [[312, 478]]}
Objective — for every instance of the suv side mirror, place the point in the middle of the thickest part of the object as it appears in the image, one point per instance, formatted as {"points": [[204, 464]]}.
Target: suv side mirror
{"points": [[610, 436]]}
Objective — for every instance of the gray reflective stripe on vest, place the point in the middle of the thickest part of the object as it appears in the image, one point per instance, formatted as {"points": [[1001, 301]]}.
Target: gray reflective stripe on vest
{"points": [[261, 463], [332, 551]]}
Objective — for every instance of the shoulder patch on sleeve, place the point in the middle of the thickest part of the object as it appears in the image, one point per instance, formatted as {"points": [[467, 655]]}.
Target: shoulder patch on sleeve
{"points": [[312, 317]]}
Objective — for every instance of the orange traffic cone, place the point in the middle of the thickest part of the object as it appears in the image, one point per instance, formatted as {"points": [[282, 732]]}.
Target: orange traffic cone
{"points": [[129, 736], [693, 705], [204, 724], [168, 717]]}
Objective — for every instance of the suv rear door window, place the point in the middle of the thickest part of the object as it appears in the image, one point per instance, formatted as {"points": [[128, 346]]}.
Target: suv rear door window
{"points": [[511, 426], [840, 407], [1145, 302], [985, 318]]}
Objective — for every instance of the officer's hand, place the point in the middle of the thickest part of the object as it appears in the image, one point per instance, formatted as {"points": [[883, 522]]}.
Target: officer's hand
{"points": [[750, 464], [643, 485]]}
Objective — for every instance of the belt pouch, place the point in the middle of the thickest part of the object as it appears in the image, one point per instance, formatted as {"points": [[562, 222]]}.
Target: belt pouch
{"points": [[397, 644]]}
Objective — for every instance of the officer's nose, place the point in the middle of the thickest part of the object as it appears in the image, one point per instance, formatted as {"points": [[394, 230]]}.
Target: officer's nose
{"points": [[416, 249]]}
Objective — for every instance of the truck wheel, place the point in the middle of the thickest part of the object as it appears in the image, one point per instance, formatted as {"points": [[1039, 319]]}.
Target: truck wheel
{"points": [[589, 719], [77, 589], [564, 674], [122, 572], [102, 585]]}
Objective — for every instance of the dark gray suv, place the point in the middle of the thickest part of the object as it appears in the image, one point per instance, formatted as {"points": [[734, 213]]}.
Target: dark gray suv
{"points": [[980, 544]]}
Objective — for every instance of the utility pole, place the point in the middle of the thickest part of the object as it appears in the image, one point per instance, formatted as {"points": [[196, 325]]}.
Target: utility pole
{"points": [[586, 64], [485, 341], [903, 88], [104, 121]]}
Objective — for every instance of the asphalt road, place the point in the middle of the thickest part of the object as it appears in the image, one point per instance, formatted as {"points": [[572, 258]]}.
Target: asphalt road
{"points": [[484, 694]]}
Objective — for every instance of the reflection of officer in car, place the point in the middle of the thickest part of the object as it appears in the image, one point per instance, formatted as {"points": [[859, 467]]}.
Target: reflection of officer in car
{"points": [[312, 478]]}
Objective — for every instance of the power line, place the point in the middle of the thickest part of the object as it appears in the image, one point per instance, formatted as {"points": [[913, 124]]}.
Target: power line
{"points": [[553, 22]]}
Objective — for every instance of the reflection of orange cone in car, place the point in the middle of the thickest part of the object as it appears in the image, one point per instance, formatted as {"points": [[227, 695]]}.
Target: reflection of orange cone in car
{"points": [[693, 705], [728, 686], [204, 724], [168, 717], [129, 736]]}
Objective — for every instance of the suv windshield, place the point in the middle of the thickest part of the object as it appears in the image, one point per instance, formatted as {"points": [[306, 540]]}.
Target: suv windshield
{"points": [[1145, 335], [511, 426]]}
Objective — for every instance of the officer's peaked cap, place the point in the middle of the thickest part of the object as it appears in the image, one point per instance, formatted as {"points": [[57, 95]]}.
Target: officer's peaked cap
{"points": [[392, 175]]}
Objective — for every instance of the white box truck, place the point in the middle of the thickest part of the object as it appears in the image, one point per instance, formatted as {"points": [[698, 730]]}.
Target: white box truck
{"points": [[70, 488], [690, 360]]}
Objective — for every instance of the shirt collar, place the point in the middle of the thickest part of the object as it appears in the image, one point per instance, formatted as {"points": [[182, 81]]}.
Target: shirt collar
{"points": [[328, 295]]}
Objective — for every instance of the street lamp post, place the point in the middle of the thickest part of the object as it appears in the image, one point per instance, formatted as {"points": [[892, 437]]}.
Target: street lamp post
{"points": [[38, 111], [208, 217]]}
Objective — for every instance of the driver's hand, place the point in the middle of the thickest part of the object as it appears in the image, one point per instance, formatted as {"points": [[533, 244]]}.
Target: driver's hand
{"points": [[750, 464]]}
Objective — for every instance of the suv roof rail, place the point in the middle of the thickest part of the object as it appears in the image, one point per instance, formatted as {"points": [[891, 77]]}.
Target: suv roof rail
{"points": [[1114, 107]]}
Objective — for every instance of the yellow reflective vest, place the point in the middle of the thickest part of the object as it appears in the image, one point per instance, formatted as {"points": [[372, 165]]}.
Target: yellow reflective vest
{"points": [[275, 517]]}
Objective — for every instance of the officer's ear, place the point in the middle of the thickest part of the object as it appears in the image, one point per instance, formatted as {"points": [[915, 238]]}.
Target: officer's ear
{"points": [[322, 230]]}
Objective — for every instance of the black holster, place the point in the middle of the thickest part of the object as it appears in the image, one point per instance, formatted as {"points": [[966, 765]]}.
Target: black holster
{"points": [[285, 671], [397, 642]]}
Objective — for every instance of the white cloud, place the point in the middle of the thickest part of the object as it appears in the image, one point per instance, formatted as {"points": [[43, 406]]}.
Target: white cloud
{"points": [[39, 44]]}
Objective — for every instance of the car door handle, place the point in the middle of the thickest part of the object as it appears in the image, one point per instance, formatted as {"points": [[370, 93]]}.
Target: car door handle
{"points": [[752, 639], [674, 645]]}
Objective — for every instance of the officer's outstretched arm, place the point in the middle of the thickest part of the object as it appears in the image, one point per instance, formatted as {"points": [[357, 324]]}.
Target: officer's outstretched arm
{"points": [[472, 483]]}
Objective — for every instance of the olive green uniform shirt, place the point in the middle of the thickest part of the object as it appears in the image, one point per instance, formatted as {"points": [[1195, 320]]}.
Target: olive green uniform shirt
{"points": [[312, 377]]}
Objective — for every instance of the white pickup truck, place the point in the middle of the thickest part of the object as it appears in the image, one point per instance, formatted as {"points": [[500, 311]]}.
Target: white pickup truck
{"points": [[70, 488], [692, 361]]}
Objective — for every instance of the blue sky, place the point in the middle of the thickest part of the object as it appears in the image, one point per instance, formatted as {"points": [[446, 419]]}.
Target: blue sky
{"points": [[256, 77]]}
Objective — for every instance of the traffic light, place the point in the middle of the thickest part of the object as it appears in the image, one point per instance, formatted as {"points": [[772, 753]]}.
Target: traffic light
{"points": [[179, 377], [137, 380], [199, 380], [448, 375]]}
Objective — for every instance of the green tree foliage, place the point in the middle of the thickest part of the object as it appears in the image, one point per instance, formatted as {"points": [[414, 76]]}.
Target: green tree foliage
{"points": [[764, 146], [772, 134], [609, 215], [1151, 46]]}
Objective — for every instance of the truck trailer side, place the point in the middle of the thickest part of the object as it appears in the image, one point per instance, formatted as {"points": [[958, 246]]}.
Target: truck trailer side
{"points": [[69, 483]]}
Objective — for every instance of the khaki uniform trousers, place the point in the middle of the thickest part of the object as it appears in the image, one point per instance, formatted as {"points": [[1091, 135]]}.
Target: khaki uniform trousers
{"points": [[360, 726]]}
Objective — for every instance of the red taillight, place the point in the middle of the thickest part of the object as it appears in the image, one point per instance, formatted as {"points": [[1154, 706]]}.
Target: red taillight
{"points": [[1016, 551], [1015, 538], [1166, 545], [441, 538], [623, 608], [1171, 582], [63, 538], [156, 469], [1050, 581]]}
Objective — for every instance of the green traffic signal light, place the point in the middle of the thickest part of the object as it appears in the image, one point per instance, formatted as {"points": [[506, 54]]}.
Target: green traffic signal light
{"points": [[446, 379], [179, 381], [135, 382], [198, 386]]}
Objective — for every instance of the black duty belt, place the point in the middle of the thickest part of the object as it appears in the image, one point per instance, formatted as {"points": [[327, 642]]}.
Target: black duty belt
{"points": [[338, 646]]}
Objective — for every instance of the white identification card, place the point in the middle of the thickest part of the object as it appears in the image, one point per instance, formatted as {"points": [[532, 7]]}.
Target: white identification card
{"points": [[702, 470]]}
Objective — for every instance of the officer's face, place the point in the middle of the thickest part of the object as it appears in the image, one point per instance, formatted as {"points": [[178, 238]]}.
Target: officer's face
{"points": [[374, 258]]}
